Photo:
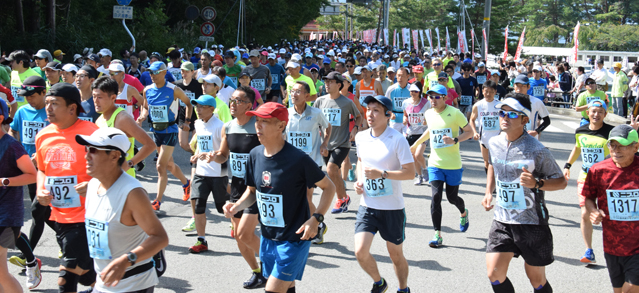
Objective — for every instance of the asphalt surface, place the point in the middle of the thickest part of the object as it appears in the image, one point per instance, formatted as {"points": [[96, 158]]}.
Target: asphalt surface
{"points": [[458, 266]]}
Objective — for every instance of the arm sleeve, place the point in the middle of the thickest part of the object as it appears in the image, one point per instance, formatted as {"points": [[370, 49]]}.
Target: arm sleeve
{"points": [[544, 123], [250, 164]]}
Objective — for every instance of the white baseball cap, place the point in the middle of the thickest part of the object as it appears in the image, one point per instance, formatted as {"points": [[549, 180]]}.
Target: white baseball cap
{"points": [[292, 64], [106, 137], [70, 68], [271, 56], [211, 78], [105, 52], [296, 57], [116, 67]]}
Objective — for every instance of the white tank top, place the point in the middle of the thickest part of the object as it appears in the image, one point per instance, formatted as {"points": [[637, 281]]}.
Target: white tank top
{"points": [[122, 100], [107, 237], [487, 121]]}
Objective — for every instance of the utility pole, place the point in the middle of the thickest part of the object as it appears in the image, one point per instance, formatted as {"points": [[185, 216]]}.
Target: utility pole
{"points": [[487, 9]]}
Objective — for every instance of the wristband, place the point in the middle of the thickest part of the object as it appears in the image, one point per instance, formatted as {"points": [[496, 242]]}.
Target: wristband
{"points": [[540, 183], [567, 166]]}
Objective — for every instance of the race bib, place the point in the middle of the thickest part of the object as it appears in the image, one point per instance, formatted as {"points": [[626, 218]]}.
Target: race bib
{"points": [[333, 115], [271, 209], [538, 91], [176, 74], [14, 93], [433, 83], [238, 164], [466, 100], [378, 187], [234, 79], [510, 195], [590, 156], [29, 131], [398, 103], [481, 79], [98, 238], [301, 140], [416, 119], [123, 106], [490, 123], [275, 78], [63, 191], [159, 113], [437, 137], [90, 119], [189, 95], [258, 84], [622, 205], [205, 143]]}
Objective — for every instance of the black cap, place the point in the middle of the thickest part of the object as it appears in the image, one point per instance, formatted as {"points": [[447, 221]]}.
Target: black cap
{"points": [[244, 73], [95, 58], [600, 61], [334, 75], [90, 71], [18, 55], [54, 65], [35, 81], [229, 54], [68, 92]]}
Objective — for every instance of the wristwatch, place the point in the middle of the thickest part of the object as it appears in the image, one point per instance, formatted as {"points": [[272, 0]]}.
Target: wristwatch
{"points": [[456, 140], [319, 217], [384, 174], [5, 182], [132, 257], [130, 163]]}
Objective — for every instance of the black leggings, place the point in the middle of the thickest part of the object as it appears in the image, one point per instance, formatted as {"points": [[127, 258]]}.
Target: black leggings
{"points": [[40, 216], [437, 188]]}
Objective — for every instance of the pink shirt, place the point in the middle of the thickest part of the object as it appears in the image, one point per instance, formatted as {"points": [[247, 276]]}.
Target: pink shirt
{"points": [[134, 82]]}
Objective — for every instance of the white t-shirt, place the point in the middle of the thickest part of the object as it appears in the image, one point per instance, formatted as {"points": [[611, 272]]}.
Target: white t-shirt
{"points": [[209, 136], [225, 94], [487, 120], [538, 112], [416, 121], [387, 152], [198, 74]]}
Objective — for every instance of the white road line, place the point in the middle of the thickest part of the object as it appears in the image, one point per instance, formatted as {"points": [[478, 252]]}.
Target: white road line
{"points": [[571, 125], [551, 128]]}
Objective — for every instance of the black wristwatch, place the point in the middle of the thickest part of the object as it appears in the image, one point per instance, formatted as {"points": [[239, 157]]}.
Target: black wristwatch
{"points": [[456, 140], [319, 217], [132, 257], [188, 120]]}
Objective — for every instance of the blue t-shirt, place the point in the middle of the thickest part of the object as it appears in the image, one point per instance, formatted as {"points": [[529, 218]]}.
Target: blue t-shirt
{"points": [[277, 74], [89, 111], [228, 81], [145, 79], [537, 88], [281, 182], [467, 85], [12, 207], [28, 122], [160, 101]]}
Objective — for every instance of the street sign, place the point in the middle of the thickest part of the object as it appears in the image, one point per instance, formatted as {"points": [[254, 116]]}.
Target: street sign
{"points": [[123, 12], [207, 29], [124, 2], [208, 13], [192, 12], [207, 39]]}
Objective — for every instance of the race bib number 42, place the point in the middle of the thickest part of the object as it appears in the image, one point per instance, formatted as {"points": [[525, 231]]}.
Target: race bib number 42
{"points": [[271, 209], [437, 137], [301, 140], [333, 115], [238, 164], [159, 113], [98, 238], [623, 204], [62, 188]]}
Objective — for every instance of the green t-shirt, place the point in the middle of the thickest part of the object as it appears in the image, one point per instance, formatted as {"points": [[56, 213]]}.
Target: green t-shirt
{"points": [[446, 60], [222, 110], [290, 82], [593, 145], [16, 84], [233, 72], [41, 72], [431, 80], [446, 123], [5, 74], [585, 98]]}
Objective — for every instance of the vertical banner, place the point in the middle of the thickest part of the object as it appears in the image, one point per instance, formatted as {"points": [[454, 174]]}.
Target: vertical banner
{"points": [[430, 41], [483, 32], [406, 35], [506, 45], [520, 45], [472, 41], [447, 40], [439, 47], [415, 40], [421, 37], [334, 35], [386, 36], [576, 48], [395, 38], [460, 42]]}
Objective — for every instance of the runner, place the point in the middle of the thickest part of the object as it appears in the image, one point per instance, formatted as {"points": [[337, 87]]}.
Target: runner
{"points": [[368, 86], [540, 118], [232, 68], [53, 73], [538, 85], [468, 86], [192, 89], [397, 93], [610, 186], [277, 75], [414, 109], [123, 232], [84, 79], [485, 117], [521, 169], [308, 130], [105, 93], [260, 75], [16, 171], [444, 163], [336, 109], [501, 91], [384, 159], [161, 97], [68, 73], [278, 176], [482, 75], [20, 70], [590, 143], [126, 94], [294, 76], [62, 182], [584, 99], [211, 85]]}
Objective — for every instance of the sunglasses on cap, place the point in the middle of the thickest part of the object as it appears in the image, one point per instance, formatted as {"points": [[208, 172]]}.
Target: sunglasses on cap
{"points": [[510, 114], [154, 72], [30, 87], [435, 97]]}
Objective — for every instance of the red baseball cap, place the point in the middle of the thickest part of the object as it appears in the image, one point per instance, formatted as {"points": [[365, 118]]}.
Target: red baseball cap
{"points": [[270, 110], [418, 69]]}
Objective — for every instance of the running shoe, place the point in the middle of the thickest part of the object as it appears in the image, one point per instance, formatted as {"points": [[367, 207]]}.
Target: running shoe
{"points": [[589, 257], [18, 261], [341, 205], [380, 288], [199, 247], [425, 176], [190, 226], [156, 157], [319, 239], [187, 190], [351, 175], [407, 290], [140, 166], [156, 205], [436, 242], [34, 277], [87, 290], [463, 222], [418, 180], [256, 281], [60, 255]]}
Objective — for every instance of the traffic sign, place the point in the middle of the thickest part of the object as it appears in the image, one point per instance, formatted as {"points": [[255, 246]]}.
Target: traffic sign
{"points": [[207, 29], [123, 12], [208, 13], [207, 39], [192, 12], [124, 2]]}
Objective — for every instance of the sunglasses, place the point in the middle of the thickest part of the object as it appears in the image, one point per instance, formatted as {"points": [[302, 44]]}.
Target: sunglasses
{"points": [[155, 53], [238, 101], [30, 87], [591, 83], [155, 72], [113, 73], [435, 97], [510, 114], [350, 66], [93, 150], [437, 64]]}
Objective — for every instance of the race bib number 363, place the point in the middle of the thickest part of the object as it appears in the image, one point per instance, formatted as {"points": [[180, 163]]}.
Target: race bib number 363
{"points": [[623, 205], [378, 187]]}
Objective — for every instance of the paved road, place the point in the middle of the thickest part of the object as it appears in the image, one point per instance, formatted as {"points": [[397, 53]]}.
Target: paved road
{"points": [[459, 266]]}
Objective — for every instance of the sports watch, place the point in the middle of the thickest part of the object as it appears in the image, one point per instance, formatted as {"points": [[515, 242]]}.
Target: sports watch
{"points": [[319, 217], [5, 182], [132, 257]]}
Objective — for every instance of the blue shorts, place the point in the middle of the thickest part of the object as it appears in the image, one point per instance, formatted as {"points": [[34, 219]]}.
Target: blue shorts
{"points": [[451, 177], [167, 139], [284, 260]]}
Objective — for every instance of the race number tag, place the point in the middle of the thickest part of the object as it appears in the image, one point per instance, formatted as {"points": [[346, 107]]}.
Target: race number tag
{"points": [[159, 113], [416, 119], [98, 238], [238, 164], [271, 209], [189, 95], [204, 143], [63, 191], [590, 156], [510, 195], [378, 187], [538, 91], [29, 131], [622, 205], [490, 123], [234, 79], [258, 84], [90, 119], [437, 137], [333, 115], [301, 140], [481, 79], [466, 100], [275, 78], [123, 106], [433, 83], [398, 102], [14, 93]]}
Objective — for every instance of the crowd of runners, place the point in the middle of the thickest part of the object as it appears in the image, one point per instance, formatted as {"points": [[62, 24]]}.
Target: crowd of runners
{"points": [[267, 125]]}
